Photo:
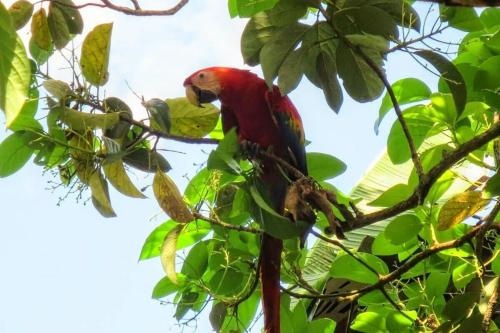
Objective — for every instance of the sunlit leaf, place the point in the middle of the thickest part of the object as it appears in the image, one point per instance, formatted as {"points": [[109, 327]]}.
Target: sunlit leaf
{"points": [[100, 194], [403, 229], [196, 261], [118, 177], [460, 207], [15, 151], [321, 325], [190, 120], [15, 69], [323, 166], [165, 286], [408, 90], [369, 322], [170, 199], [345, 266], [95, 54], [450, 74]]}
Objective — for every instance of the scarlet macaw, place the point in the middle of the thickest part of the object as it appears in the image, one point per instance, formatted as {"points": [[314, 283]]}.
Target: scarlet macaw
{"points": [[262, 116]]}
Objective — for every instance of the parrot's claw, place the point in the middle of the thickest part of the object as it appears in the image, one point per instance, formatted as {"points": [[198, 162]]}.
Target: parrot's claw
{"points": [[251, 149]]}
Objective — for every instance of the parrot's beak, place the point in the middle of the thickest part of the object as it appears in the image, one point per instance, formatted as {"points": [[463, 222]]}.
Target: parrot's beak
{"points": [[198, 96]]}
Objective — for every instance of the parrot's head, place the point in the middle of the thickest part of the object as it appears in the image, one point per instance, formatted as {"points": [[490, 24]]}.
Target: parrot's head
{"points": [[204, 86], [223, 83]]}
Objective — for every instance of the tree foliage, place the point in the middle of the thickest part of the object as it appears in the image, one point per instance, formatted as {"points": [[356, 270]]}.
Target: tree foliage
{"points": [[427, 208]]}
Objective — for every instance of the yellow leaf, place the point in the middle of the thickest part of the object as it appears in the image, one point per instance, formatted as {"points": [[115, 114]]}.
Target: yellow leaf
{"points": [[168, 249], [40, 33], [460, 207], [190, 120], [118, 177], [80, 121], [100, 194], [95, 54], [168, 196]]}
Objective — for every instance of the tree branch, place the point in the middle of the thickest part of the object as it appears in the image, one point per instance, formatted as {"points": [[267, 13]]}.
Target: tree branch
{"points": [[430, 178], [136, 11]]}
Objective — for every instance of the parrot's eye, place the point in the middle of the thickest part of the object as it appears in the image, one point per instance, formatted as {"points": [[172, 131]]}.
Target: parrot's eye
{"points": [[201, 75]]}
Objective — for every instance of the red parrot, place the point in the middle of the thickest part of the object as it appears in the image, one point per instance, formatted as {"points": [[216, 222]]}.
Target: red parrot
{"points": [[262, 116]]}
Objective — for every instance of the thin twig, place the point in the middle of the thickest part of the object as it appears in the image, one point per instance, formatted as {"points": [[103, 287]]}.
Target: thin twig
{"points": [[490, 308], [200, 216]]}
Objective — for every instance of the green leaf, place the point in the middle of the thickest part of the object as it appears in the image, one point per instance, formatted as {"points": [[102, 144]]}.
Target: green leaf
{"points": [[196, 262], [154, 241], [397, 322], [288, 12], [322, 325], [118, 177], [170, 199], [40, 33], [382, 246], [369, 322], [25, 120], [248, 8], [359, 79], [408, 90], [463, 274], [490, 17], [290, 72], [20, 11], [273, 223], [375, 42], [488, 76], [58, 27], [15, 71], [299, 317], [436, 284], [418, 126], [345, 266], [462, 18], [226, 281], [323, 166], [81, 121], [57, 89], [223, 158], [392, 196], [365, 19], [403, 229], [95, 54], [168, 252], [15, 151], [256, 34], [460, 207], [443, 108], [147, 160], [120, 130], [71, 15], [190, 120], [165, 287], [280, 46], [100, 194], [159, 114], [450, 74], [327, 79], [492, 187]]}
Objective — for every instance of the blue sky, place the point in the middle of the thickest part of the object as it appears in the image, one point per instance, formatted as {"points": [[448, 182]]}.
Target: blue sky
{"points": [[67, 269]]}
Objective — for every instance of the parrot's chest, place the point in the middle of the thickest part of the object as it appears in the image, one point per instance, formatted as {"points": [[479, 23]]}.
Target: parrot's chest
{"points": [[258, 126]]}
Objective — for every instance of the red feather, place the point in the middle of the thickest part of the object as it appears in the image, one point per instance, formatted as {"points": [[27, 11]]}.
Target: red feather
{"points": [[264, 117]]}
